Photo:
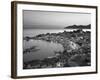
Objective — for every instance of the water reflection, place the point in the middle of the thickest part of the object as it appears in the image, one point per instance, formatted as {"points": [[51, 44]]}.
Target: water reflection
{"points": [[40, 49]]}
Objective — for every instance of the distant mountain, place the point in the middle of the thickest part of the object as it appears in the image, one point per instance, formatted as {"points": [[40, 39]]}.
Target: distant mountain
{"points": [[78, 27]]}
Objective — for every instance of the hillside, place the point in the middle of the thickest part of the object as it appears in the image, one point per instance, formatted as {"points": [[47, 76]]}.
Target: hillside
{"points": [[78, 27]]}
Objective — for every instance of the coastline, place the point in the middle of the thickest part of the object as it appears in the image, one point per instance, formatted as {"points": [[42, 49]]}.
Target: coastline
{"points": [[73, 45]]}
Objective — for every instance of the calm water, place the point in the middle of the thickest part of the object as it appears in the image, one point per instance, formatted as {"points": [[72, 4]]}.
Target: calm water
{"points": [[34, 32], [46, 49]]}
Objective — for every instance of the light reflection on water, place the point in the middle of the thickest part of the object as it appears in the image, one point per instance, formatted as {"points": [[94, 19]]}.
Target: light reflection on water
{"points": [[34, 32]]}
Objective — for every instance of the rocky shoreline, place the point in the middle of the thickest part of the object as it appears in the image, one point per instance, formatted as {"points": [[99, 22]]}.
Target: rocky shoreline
{"points": [[76, 52]]}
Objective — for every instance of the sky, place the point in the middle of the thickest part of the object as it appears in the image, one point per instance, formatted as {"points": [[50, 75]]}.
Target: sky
{"points": [[53, 20]]}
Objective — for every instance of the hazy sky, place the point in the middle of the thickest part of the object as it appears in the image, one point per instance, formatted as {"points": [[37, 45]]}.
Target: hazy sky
{"points": [[53, 20]]}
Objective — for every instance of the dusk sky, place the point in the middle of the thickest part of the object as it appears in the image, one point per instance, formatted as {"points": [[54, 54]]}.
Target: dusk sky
{"points": [[54, 20]]}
